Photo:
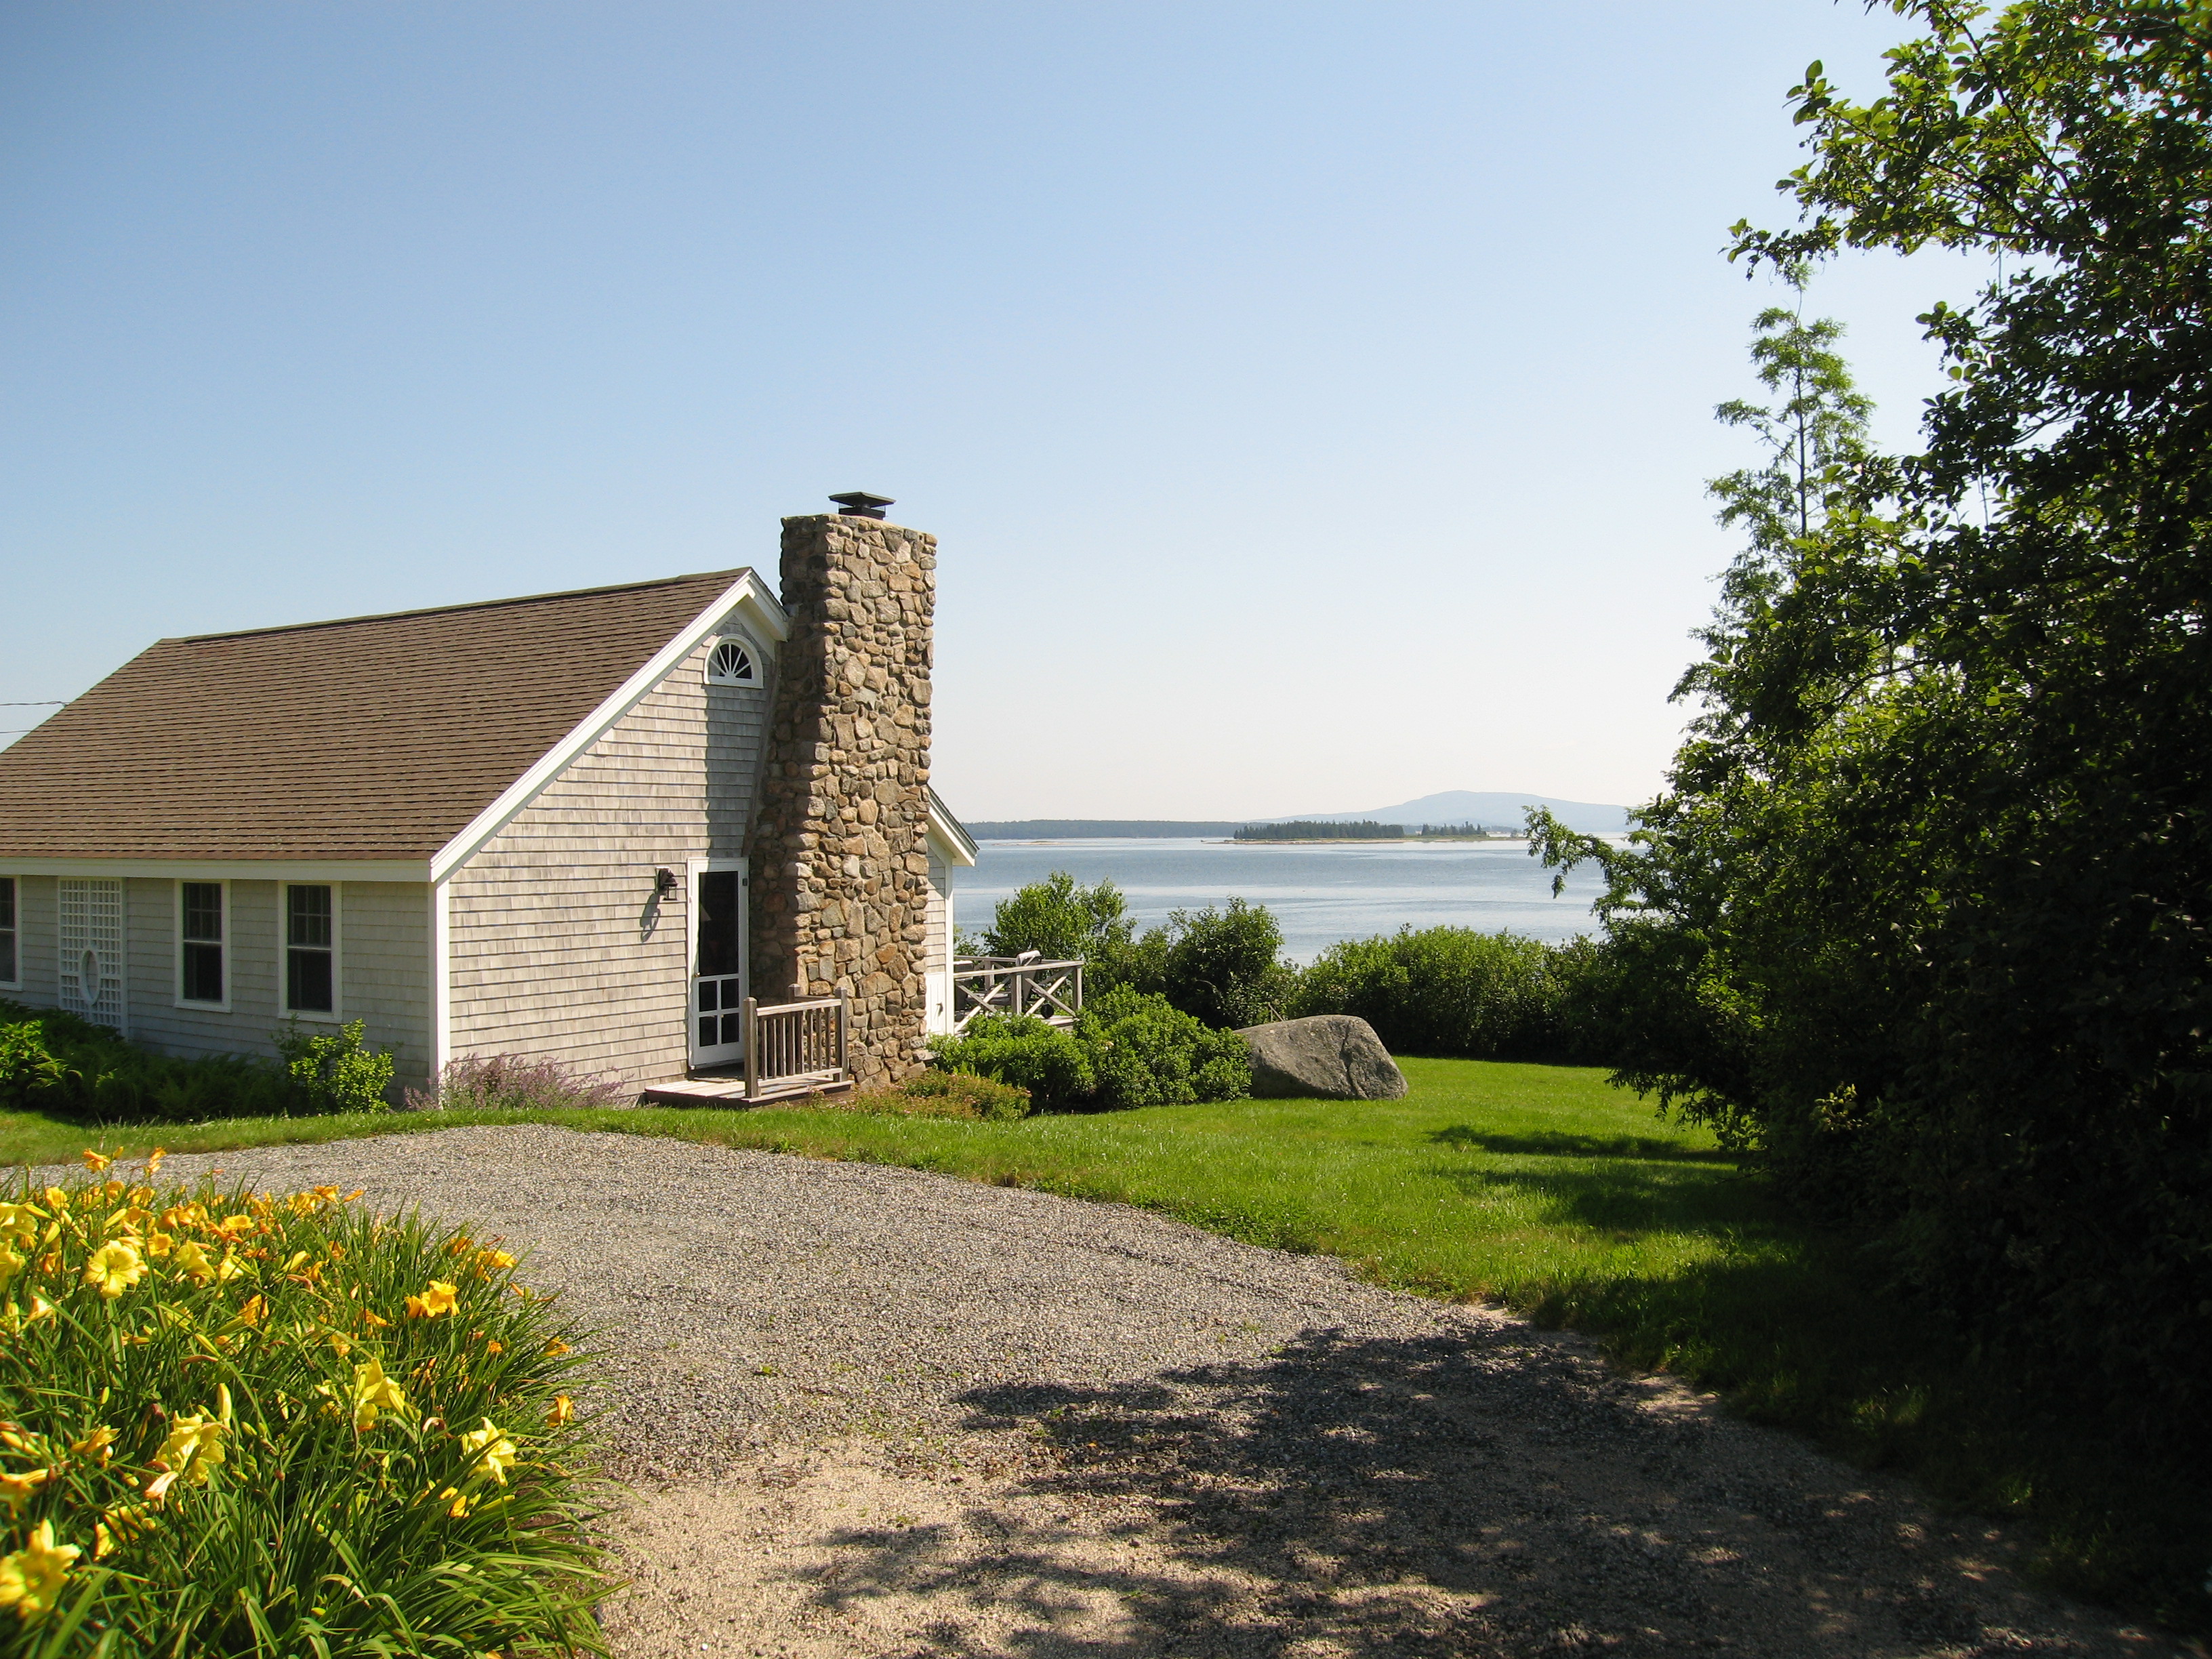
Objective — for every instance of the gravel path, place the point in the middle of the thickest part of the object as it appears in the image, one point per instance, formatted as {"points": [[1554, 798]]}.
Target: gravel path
{"points": [[873, 1412]]}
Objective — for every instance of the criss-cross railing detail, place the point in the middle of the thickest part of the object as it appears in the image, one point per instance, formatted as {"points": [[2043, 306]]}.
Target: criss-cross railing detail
{"points": [[1026, 984]]}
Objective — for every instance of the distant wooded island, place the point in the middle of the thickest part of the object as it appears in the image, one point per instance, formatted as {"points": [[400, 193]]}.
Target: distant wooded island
{"points": [[1367, 830], [1464, 814]]}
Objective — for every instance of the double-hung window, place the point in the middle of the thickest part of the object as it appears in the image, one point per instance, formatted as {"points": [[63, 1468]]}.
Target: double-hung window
{"points": [[311, 950], [11, 967], [202, 978]]}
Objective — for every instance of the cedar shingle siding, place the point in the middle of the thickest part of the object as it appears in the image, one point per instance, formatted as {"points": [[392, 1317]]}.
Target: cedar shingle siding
{"points": [[554, 913]]}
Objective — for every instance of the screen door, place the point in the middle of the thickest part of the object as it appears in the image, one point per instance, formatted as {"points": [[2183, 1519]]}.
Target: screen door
{"points": [[718, 986]]}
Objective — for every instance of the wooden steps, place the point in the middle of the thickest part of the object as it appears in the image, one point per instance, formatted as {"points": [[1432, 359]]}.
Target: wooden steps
{"points": [[728, 1089]]}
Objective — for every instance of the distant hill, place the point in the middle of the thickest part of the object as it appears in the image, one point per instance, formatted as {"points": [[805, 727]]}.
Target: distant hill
{"points": [[1495, 807], [1090, 829]]}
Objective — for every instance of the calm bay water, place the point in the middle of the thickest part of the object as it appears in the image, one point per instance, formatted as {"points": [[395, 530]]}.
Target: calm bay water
{"points": [[1319, 893]]}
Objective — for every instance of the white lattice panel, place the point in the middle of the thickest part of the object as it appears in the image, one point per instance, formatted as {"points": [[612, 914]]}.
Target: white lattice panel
{"points": [[91, 939]]}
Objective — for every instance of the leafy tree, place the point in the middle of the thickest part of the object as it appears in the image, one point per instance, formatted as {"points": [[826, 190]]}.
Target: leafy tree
{"points": [[1062, 920], [1922, 911]]}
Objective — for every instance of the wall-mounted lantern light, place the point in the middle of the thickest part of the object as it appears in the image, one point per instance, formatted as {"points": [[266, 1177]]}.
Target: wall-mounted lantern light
{"points": [[665, 884]]}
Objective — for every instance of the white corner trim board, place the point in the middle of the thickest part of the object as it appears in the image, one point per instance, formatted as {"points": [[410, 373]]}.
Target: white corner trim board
{"points": [[748, 593]]}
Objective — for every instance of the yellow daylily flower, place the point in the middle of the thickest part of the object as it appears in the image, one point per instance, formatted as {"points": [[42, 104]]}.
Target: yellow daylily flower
{"points": [[12, 1261], [20, 1222], [96, 1444], [192, 1261], [57, 1197], [375, 1322], [441, 1298], [153, 1160], [236, 1225], [119, 1526], [94, 1161], [229, 1267], [114, 1268], [562, 1410], [374, 1392], [493, 1451], [159, 1244], [15, 1489], [30, 1579], [191, 1454], [255, 1310], [555, 1348], [328, 1194], [459, 1504]]}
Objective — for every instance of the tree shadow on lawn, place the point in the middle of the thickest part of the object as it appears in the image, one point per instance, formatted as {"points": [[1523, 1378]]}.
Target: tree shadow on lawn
{"points": [[1630, 1195], [1472, 1491], [1552, 1143]]}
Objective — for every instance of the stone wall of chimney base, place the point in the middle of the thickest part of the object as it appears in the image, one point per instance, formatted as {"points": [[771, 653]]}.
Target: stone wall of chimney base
{"points": [[839, 852]]}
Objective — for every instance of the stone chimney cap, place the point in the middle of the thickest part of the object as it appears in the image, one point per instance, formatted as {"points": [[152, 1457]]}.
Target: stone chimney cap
{"points": [[859, 504]]}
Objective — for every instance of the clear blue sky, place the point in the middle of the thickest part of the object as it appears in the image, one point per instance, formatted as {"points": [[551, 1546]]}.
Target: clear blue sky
{"points": [[1313, 401]]}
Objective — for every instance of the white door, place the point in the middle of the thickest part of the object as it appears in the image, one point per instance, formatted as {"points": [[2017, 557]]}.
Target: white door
{"points": [[718, 963], [90, 933]]}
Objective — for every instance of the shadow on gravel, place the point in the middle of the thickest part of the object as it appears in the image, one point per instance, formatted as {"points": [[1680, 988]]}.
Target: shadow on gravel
{"points": [[1451, 1495]]}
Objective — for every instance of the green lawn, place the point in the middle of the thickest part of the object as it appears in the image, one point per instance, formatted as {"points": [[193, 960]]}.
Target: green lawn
{"points": [[1534, 1186]]}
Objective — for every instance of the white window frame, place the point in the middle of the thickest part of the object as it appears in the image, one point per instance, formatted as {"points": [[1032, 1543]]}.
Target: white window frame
{"points": [[750, 647], [336, 1014], [225, 942], [15, 928]]}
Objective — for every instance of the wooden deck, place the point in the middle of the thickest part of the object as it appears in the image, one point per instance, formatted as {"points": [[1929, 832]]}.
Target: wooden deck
{"points": [[727, 1088]]}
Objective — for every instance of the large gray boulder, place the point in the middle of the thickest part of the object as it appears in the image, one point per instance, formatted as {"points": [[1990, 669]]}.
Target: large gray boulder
{"points": [[1327, 1057]]}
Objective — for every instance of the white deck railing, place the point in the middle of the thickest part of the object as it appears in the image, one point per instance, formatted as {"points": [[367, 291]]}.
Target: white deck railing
{"points": [[1026, 984]]}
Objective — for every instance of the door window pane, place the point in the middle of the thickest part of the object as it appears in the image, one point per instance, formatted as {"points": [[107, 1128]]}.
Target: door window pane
{"points": [[718, 922], [8, 929]]}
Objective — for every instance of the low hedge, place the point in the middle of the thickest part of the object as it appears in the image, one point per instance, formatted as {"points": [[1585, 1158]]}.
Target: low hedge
{"points": [[1128, 1048], [55, 1061], [242, 1423]]}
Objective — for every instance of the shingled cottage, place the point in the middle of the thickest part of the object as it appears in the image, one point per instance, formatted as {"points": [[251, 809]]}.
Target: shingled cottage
{"points": [[588, 826]]}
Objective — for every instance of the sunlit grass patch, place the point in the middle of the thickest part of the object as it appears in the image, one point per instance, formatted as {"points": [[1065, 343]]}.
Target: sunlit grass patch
{"points": [[245, 1423]]}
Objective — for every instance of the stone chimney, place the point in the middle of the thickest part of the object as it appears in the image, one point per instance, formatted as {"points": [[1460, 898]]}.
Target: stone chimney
{"points": [[838, 852]]}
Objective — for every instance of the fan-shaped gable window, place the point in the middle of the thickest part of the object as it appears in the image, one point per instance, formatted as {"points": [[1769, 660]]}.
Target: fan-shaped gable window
{"points": [[732, 662]]}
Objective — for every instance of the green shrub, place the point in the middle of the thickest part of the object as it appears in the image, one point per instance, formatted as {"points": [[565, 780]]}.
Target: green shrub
{"points": [[1143, 1051], [1452, 991], [1061, 920], [1223, 966], [958, 1094], [983, 1097], [242, 1424], [27, 1064], [335, 1072], [1022, 1050], [55, 1061]]}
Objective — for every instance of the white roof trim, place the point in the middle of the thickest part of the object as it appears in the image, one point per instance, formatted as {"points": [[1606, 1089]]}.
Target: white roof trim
{"points": [[316, 870], [748, 592], [947, 835]]}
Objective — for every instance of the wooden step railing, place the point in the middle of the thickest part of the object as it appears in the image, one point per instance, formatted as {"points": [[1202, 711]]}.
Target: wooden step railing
{"points": [[793, 1046]]}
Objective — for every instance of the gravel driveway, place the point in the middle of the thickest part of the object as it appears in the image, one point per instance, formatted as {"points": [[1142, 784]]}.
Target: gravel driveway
{"points": [[873, 1412]]}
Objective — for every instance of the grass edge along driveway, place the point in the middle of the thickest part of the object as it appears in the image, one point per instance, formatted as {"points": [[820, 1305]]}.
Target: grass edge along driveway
{"points": [[1537, 1187]]}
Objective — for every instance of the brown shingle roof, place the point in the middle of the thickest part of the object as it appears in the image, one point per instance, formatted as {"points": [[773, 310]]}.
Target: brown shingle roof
{"points": [[373, 737]]}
